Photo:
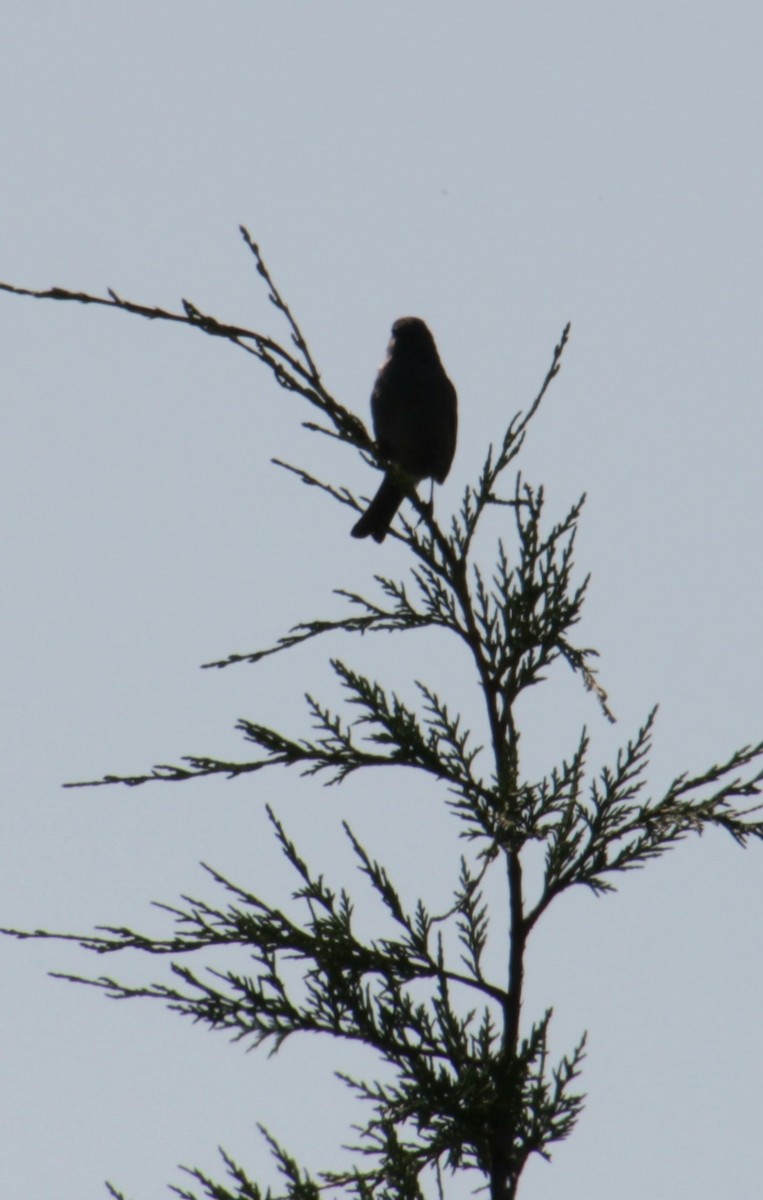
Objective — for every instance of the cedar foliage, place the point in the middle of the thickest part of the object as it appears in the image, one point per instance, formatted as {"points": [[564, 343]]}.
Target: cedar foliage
{"points": [[469, 1083]]}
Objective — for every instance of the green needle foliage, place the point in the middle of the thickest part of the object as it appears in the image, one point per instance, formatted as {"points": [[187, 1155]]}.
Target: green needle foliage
{"points": [[467, 1083]]}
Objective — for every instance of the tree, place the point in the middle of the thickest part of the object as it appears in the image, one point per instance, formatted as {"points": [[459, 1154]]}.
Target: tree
{"points": [[468, 1084]]}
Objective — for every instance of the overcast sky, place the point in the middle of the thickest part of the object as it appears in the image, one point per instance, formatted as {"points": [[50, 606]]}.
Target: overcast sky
{"points": [[498, 169]]}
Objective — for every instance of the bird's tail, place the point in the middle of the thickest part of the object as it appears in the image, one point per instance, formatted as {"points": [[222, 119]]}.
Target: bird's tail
{"points": [[377, 518]]}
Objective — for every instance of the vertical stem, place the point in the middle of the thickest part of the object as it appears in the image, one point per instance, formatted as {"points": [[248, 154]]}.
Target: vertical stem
{"points": [[516, 953], [504, 1173]]}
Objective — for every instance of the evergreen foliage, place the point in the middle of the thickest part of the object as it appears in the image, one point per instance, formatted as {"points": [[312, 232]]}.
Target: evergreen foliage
{"points": [[468, 1081]]}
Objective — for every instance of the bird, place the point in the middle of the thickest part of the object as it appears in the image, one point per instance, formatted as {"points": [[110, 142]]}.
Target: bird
{"points": [[415, 416]]}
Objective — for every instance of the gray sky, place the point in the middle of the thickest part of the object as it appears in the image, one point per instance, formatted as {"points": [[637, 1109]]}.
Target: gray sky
{"points": [[497, 169]]}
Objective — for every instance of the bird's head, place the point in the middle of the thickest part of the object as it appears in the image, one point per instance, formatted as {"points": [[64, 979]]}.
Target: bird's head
{"points": [[411, 334]]}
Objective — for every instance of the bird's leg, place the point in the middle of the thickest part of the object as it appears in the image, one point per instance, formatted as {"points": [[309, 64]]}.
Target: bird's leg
{"points": [[429, 504]]}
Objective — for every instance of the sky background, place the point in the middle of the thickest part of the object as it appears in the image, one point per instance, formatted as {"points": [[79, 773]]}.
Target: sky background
{"points": [[498, 169]]}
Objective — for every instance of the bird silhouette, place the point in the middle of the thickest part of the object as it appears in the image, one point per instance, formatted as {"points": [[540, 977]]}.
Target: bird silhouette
{"points": [[414, 411]]}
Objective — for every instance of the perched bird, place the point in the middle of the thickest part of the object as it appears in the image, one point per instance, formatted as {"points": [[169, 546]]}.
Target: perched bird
{"points": [[414, 411]]}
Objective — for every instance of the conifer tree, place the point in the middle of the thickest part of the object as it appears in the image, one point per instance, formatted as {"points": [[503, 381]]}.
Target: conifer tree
{"points": [[468, 1082]]}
